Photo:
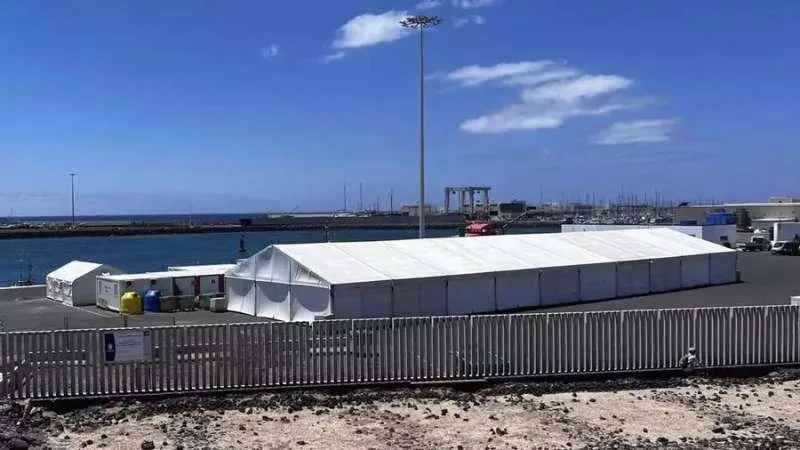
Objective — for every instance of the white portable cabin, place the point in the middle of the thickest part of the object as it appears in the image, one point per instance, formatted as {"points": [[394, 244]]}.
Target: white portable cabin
{"points": [[452, 276], [208, 281], [221, 268], [73, 283]]}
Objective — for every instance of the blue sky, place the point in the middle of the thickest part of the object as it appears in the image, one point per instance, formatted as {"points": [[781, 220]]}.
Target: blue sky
{"points": [[229, 106]]}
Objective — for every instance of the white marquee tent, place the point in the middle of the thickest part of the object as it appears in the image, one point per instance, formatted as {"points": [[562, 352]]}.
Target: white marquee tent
{"points": [[451, 276], [74, 283]]}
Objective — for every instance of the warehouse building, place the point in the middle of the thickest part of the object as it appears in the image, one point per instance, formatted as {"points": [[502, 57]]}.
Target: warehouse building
{"points": [[761, 214], [453, 276]]}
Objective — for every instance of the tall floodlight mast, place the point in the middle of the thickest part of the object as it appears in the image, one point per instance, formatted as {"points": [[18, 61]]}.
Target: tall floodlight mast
{"points": [[421, 23]]}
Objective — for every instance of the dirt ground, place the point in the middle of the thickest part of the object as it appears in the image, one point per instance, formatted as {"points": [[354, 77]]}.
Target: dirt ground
{"points": [[678, 413]]}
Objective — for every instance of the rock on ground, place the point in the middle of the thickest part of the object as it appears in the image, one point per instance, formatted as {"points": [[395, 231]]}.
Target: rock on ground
{"points": [[623, 414]]}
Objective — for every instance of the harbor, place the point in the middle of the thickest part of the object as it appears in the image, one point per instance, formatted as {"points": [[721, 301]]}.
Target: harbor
{"points": [[394, 227]]}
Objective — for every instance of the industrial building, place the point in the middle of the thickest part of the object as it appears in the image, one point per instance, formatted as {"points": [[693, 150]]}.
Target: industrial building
{"points": [[718, 234], [413, 210], [451, 276], [756, 214], [73, 283]]}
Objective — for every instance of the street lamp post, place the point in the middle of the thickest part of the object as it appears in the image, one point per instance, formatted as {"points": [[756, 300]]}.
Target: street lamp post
{"points": [[72, 191], [420, 23]]}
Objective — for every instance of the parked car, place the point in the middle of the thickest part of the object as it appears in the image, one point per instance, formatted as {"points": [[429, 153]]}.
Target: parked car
{"points": [[755, 244], [782, 248]]}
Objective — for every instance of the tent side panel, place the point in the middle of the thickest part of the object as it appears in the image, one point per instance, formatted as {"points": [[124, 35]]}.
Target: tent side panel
{"points": [[560, 285], [51, 288], [241, 293], [598, 282], [694, 271], [432, 296], [468, 295], [271, 264], [308, 303], [377, 301], [362, 301], [665, 275], [517, 290], [723, 268], [419, 297], [272, 300], [68, 293], [407, 297], [81, 290], [633, 278]]}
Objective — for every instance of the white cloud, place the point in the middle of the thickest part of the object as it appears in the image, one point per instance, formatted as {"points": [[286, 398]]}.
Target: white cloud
{"points": [[576, 89], [530, 79], [472, 4], [333, 56], [269, 51], [475, 19], [637, 132], [477, 75], [367, 30], [428, 4], [551, 93]]}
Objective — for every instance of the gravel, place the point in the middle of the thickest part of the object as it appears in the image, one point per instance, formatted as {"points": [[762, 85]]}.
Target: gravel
{"points": [[685, 413]]}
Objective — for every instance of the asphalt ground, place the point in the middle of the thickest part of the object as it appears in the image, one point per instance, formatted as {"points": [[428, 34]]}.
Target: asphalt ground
{"points": [[44, 314], [766, 280]]}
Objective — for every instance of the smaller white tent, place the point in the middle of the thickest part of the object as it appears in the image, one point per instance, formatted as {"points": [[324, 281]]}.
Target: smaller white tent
{"points": [[74, 283]]}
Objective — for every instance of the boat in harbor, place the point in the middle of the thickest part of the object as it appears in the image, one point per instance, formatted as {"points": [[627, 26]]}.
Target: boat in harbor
{"points": [[24, 279]]}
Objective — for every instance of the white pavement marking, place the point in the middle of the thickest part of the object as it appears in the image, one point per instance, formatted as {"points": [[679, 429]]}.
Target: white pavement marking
{"points": [[96, 313]]}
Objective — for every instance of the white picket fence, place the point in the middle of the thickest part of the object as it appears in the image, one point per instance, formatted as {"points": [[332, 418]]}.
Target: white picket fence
{"points": [[73, 363]]}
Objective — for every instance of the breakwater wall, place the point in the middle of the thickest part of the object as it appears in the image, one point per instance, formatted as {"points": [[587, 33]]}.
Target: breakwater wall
{"points": [[22, 292], [267, 224]]}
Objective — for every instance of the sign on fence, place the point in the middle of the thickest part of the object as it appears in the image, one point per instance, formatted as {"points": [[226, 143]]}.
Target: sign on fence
{"points": [[127, 346]]}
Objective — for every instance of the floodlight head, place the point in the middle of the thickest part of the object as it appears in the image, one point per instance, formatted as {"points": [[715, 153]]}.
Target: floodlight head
{"points": [[420, 22]]}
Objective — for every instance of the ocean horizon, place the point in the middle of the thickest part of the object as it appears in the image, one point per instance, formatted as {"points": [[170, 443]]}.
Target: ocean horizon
{"points": [[137, 217]]}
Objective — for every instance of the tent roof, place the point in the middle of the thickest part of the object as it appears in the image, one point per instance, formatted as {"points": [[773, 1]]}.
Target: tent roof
{"points": [[363, 262], [74, 270]]}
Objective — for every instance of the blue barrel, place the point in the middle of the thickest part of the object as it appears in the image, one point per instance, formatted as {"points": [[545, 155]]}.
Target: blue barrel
{"points": [[152, 301]]}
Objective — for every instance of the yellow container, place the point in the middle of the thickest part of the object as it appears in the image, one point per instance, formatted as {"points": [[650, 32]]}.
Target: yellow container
{"points": [[130, 303]]}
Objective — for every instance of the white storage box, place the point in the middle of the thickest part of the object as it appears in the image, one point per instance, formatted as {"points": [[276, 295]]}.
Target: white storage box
{"points": [[218, 304]]}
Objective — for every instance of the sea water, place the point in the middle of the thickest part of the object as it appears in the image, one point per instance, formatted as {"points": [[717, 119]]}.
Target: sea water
{"points": [[153, 253]]}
